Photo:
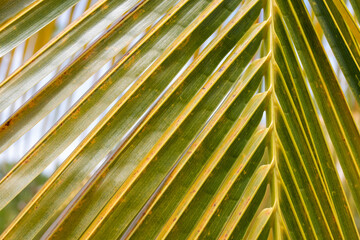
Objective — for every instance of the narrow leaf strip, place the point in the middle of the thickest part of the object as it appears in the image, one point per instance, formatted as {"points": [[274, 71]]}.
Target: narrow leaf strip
{"points": [[196, 155], [334, 109], [188, 119], [29, 21], [232, 37], [261, 226], [254, 191], [308, 159], [72, 174], [292, 222], [356, 6], [210, 165], [301, 178], [339, 44], [287, 62], [347, 17], [9, 9], [127, 28], [68, 42], [83, 113], [228, 185]]}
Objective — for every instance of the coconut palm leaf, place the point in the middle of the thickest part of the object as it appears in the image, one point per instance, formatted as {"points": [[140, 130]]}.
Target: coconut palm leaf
{"points": [[202, 119]]}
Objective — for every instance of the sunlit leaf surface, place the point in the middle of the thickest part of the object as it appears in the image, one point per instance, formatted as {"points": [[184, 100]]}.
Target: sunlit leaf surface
{"points": [[180, 119]]}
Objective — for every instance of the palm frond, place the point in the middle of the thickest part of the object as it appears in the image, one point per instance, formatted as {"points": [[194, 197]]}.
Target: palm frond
{"points": [[206, 119]]}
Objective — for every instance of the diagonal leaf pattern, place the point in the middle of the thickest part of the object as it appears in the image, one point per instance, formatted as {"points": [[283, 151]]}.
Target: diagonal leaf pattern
{"points": [[218, 119]]}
